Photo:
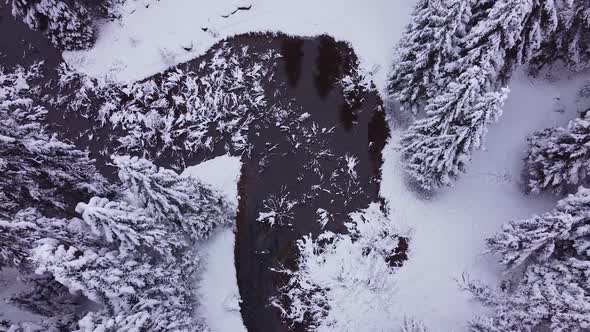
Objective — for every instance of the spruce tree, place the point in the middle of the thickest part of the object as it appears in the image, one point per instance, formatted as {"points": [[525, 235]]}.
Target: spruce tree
{"points": [[37, 169], [571, 40], [430, 43], [492, 39], [559, 158], [67, 24], [171, 197], [549, 260], [134, 254]]}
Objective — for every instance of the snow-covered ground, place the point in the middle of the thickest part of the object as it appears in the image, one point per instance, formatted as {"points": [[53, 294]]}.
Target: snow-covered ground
{"points": [[153, 35], [448, 231], [217, 285]]}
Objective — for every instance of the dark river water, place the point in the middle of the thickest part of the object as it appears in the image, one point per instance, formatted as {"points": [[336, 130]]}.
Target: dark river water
{"points": [[309, 171], [325, 153]]}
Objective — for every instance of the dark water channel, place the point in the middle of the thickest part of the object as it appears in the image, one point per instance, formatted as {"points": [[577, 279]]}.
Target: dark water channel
{"points": [[295, 166], [309, 170]]}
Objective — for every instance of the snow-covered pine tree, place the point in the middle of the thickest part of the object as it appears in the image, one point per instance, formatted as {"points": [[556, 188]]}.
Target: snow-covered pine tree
{"points": [[437, 147], [40, 175], [131, 228], [18, 236], [558, 158], [130, 260], [37, 169], [46, 297], [429, 44], [171, 197], [139, 292], [67, 24], [550, 259], [133, 255], [571, 40]]}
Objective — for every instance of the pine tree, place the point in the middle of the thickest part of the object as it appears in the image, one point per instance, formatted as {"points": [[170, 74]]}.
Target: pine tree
{"points": [[133, 255], [552, 251], [170, 197], [18, 236], [429, 44], [437, 148], [138, 292], [496, 38], [132, 228], [37, 169], [67, 24], [571, 40], [120, 256], [559, 158]]}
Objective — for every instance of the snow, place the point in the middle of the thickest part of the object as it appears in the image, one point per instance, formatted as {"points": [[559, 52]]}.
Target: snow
{"points": [[217, 286], [222, 173], [449, 229], [153, 35]]}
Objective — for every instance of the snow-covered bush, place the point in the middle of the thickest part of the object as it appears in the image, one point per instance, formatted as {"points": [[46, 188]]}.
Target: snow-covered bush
{"points": [[412, 325], [549, 259], [278, 209], [335, 268], [559, 158], [454, 62]]}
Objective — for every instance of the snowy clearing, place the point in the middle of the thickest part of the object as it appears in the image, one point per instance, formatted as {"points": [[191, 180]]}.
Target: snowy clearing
{"points": [[217, 285], [448, 231], [154, 35]]}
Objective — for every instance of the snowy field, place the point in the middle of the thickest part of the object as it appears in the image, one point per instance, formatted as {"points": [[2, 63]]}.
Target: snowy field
{"points": [[218, 285], [447, 230], [154, 35]]}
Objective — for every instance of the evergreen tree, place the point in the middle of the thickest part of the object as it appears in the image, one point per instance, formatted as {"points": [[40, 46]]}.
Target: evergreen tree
{"points": [[559, 158], [571, 40], [67, 24], [552, 251], [18, 236], [131, 228], [430, 43], [171, 197], [134, 256], [491, 39], [37, 169], [138, 291]]}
